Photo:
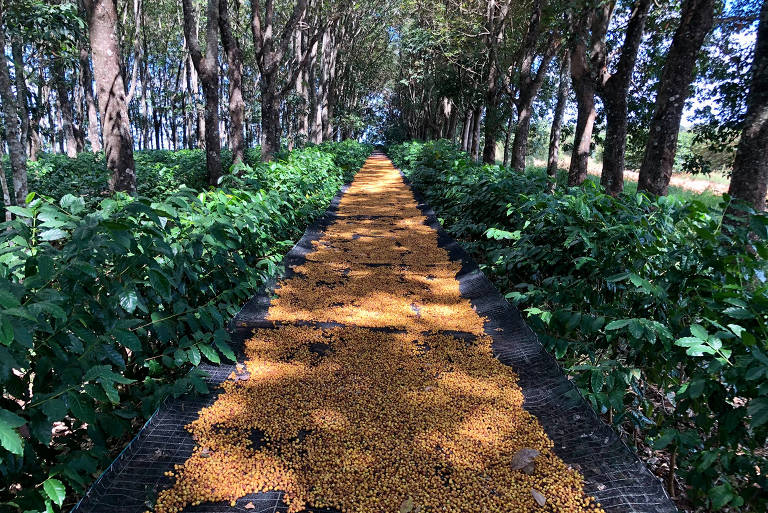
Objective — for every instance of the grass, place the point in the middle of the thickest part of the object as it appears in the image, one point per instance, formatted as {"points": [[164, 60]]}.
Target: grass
{"points": [[630, 187]]}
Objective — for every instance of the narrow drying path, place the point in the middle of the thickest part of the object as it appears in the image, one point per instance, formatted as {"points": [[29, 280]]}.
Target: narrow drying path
{"points": [[373, 387]]}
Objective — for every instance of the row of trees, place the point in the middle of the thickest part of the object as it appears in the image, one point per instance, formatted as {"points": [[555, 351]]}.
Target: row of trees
{"points": [[117, 75], [481, 71]]}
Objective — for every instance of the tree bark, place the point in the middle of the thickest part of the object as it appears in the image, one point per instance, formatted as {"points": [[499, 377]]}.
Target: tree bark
{"points": [[115, 125], [22, 92], [749, 182], [90, 102], [65, 106], [207, 67], [466, 131], [557, 120], [235, 73], [659, 158], [613, 89], [476, 132], [529, 83], [16, 151]]}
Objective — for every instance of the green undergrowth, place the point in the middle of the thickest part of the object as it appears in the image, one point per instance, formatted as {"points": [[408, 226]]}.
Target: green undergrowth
{"points": [[110, 306], [658, 312]]}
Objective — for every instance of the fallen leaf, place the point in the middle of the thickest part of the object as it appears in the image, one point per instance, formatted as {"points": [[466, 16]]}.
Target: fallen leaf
{"points": [[538, 497], [523, 458], [407, 505], [250, 506], [205, 453]]}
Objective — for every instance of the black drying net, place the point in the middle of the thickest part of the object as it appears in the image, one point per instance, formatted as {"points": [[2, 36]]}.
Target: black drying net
{"points": [[613, 474]]}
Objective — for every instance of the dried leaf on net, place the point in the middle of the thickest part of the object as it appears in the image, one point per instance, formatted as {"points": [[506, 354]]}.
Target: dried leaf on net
{"points": [[538, 497], [524, 458]]}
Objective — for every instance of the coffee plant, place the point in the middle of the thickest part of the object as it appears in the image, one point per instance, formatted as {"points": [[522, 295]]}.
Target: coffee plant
{"points": [[658, 309], [108, 310]]}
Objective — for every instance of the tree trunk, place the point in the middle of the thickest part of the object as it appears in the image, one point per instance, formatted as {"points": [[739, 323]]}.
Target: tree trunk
{"points": [[659, 158], [270, 118], [235, 73], [65, 106], [116, 127], [16, 152], [452, 122], [522, 129], [90, 102], [491, 112], [613, 90], [557, 121], [22, 92], [207, 68], [466, 131], [476, 133], [507, 140], [749, 182], [585, 106]]}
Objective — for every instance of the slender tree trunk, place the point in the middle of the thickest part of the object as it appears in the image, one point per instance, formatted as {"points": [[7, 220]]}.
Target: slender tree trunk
{"points": [[270, 117], [90, 102], [613, 90], [466, 130], [476, 132], [749, 182], [452, 122], [16, 151], [491, 112], [116, 127], [235, 72], [507, 139], [557, 121], [585, 120], [208, 69], [22, 92], [522, 130], [315, 101], [695, 23], [65, 107]]}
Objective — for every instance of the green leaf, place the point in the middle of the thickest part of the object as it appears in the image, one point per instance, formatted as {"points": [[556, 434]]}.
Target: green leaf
{"points": [[74, 204], [738, 313], [53, 234], [129, 300], [618, 324], [699, 332], [55, 490], [209, 353], [9, 438], [758, 410]]}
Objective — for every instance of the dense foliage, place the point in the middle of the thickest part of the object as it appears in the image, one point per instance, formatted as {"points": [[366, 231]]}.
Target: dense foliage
{"points": [[657, 309], [107, 310]]}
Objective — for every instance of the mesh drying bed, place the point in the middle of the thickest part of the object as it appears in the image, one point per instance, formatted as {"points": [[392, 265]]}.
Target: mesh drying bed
{"points": [[612, 473]]}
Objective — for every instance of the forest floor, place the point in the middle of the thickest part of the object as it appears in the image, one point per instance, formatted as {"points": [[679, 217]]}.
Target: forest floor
{"points": [[374, 387]]}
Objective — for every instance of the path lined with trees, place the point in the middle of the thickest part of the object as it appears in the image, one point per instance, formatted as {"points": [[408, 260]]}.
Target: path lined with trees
{"points": [[153, 148]]}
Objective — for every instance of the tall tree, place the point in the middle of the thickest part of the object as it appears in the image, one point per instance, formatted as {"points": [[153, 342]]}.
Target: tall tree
{"points": [[497, 14], [695, 23], [270, 51], [749, 182], [110, 86], [235, 75], [613, 89], [529, 81], [584, 88], [16, 150], [557, 121], [207, 67]]}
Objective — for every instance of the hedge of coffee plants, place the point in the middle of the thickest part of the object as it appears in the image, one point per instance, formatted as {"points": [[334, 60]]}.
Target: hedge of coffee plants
{"points": [[658, 310], [108, 310]]}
